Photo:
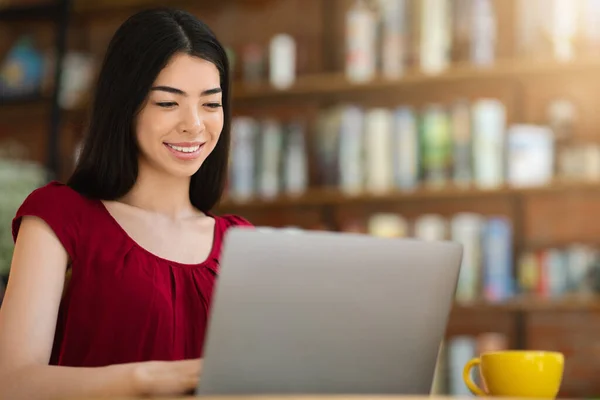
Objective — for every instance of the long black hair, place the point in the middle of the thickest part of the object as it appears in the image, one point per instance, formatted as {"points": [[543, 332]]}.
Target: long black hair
{"points": [[141, 47]]}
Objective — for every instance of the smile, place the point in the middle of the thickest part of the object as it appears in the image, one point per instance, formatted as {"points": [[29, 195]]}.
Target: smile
{"points": [[185, 151]]}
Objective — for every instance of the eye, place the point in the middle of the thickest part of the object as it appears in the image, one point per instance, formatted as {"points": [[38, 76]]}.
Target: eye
{"points": [[213, 105], [166, 104]]}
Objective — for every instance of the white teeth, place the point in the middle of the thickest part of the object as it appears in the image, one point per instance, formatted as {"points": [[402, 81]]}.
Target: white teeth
{"points": [[184, 149]]}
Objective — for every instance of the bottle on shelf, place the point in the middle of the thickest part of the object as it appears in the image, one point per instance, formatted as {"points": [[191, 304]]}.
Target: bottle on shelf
{"points": [[361, 43]]}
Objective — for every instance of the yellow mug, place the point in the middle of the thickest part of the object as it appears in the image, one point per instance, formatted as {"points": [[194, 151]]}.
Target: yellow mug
{"points": [[517, 373]]}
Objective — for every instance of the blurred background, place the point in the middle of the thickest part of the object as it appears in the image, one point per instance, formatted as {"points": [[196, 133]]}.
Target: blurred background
{"points": [[465, 120]]}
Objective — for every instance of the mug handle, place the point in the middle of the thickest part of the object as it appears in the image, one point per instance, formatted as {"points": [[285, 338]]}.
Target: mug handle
{"points": [[476, 390]]}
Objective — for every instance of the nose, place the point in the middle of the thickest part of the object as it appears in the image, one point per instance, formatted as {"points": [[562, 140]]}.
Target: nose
{"points": [[192, 122]]}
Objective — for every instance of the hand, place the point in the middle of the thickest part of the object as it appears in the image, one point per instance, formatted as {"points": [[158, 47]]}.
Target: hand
{"points": [[166, 378]]}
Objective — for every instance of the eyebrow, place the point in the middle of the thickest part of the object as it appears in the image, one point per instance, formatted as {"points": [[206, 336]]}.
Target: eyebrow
{"points": [[173, 90]]}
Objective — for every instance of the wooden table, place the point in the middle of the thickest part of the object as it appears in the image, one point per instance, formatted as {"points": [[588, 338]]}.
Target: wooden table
{"points": [[291, 397]]}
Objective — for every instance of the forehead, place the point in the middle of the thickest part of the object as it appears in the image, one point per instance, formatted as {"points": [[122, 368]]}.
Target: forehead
{"points": [[189, 73]]}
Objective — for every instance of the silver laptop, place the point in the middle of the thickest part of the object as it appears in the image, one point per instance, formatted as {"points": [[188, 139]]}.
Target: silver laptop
{"points": [[327, 313]]}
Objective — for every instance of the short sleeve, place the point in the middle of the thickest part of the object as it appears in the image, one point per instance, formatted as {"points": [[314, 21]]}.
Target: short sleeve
{"points": [[231, 220], [60, 207], [224, 222]]}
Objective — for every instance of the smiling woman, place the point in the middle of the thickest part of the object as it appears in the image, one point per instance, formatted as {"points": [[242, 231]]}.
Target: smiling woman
{"points": [[132, 228], [170, 80]]}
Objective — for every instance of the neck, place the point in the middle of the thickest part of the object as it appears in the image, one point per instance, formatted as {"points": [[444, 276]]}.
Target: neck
{"points": [[162, 194]]}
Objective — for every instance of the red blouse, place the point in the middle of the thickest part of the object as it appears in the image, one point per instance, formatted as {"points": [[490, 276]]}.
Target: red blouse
{"points": [[123, 303]]}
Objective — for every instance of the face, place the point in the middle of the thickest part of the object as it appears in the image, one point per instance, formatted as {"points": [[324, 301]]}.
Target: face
{"points": [[180, 123]]}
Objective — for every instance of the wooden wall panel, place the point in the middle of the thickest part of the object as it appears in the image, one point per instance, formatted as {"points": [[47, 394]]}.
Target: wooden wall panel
{"points": [[474, 322], [575, 334], [31, 134], [582, 89], [555, 219], [307, 218], [412, 209], [357, 215]]}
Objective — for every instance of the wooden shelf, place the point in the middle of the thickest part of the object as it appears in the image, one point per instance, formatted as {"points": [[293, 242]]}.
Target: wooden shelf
{"points": [[26, 100], [337, 84], [331, 197], [16, 110], [83, 7], [535, 304], [45, 10], [322, 197], [24, 109]]}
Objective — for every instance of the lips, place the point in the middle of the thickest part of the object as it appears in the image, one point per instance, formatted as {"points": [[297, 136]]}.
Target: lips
{"points": [[184, 148]]}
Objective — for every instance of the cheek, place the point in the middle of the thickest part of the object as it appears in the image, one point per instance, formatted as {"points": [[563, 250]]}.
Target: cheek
{"points": [[148, 129], [144, 138], [214, 124]]}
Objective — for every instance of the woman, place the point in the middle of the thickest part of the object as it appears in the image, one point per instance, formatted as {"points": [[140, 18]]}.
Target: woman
{"points": [[132, 228]]}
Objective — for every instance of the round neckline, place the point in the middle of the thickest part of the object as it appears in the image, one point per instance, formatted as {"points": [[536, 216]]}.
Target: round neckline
{"points": [[211, 254]]}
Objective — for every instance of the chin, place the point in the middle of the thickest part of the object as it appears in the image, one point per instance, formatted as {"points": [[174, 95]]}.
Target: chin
{"points": [[183, 171]]}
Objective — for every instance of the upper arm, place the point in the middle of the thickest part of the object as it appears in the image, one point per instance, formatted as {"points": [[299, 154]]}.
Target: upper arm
{"points": [[29, 311], [46, 232]]}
